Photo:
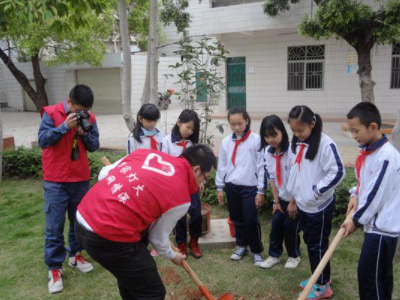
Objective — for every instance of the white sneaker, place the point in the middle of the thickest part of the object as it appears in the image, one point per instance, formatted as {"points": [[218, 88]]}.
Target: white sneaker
{"points": [[270, 262], [79, 262], [239, 253], [292, 262], [258, 259], [55, 284]]}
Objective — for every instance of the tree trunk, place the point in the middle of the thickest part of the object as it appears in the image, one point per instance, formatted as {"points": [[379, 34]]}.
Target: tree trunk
{"points": [[364, 72], [40, 100], [127, 69], [1, 147], [41, 95], [153, 36], [146, 88]]}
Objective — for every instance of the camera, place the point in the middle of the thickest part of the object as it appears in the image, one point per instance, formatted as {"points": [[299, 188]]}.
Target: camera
{"points": [[83, 121]]}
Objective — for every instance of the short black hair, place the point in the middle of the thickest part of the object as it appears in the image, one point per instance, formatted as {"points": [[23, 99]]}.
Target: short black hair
{"points": [[367, 113], [149, 112], [82, 95], [268, 127], [304, 114], [202, 156], [243, 112], [186, 116]]}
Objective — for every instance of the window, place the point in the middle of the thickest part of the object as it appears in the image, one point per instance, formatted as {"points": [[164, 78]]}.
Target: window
{"points": [[395, 82], [306, 68]]}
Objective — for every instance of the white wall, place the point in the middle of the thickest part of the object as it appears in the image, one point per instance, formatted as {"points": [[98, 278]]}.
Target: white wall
{"points": [[3, 94], [267, 87]]}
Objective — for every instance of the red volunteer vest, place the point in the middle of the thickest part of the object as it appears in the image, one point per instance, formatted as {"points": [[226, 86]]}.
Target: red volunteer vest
{"points": [[145, 185], [56, 160]]}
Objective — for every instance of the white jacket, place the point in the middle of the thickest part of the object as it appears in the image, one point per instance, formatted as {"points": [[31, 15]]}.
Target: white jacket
{"points": [[133, 144], [270, 170], [169, 145], [313, 183], [249, 163], [379, 192]]}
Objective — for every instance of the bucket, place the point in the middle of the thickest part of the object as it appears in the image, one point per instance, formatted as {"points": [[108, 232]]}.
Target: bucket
{"points": [[206, 214], [231, 227]]}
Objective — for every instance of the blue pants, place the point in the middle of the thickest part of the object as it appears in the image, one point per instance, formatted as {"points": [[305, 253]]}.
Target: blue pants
{"points": [[316, 231], [60, 199], [375, 267], [244, 215], [195, 222], [285, 229]]}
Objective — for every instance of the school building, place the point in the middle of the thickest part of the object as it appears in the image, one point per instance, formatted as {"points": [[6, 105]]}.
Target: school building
{"points": [[271, 67]]}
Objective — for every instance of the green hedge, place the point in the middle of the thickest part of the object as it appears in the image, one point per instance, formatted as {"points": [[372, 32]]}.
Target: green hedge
{"points": [[341, 194], [27, 163]]}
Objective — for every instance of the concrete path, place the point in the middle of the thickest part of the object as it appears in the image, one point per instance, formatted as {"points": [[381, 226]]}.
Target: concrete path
{"points": [[113, 131]]}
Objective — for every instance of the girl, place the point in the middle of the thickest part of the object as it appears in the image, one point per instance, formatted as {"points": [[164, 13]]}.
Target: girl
{"points": [[145, 134], [184, 134], [275, 144], [241, 171], [316, 170]]}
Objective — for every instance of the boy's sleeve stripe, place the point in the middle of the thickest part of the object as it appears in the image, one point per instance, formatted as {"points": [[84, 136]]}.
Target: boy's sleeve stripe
{"points": [[339, 174], [373, 192]]}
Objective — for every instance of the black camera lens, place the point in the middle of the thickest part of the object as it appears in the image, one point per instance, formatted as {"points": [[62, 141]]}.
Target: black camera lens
{"points": [[83, 121]]}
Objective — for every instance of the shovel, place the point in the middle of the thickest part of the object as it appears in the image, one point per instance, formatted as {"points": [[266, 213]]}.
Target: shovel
{"points": [[324, 261], [206, 293]]}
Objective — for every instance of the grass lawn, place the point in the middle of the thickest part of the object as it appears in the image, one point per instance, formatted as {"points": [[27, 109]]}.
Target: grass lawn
{"points": [[23, 274]]}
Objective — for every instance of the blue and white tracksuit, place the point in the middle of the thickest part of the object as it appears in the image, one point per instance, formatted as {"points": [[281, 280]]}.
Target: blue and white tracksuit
{"points": [[378, 212], [283, 227], [242, 182], [312, 184]]}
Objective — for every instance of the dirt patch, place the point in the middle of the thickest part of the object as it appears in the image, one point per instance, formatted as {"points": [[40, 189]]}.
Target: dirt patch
{"points": [[169, 276]]}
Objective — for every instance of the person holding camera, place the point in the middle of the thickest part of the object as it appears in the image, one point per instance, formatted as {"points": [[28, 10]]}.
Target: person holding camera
{"points": [[67, 131]]}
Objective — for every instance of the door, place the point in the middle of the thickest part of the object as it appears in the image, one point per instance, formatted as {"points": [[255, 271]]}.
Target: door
{"points": [[236, 82]]}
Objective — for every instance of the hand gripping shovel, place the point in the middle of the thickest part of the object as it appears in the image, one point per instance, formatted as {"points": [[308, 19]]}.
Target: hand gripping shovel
{"points": [[206, 293], [324, 261]]}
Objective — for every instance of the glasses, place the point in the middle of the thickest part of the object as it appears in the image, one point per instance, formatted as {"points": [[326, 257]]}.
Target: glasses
{"points": [[205, 178]]}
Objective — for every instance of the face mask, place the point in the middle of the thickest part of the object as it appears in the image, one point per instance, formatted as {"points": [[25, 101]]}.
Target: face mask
{"points": [[149, 132]]}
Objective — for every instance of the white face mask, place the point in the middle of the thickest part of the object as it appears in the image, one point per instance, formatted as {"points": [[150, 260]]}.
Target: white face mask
{"points": [[148, 132]]}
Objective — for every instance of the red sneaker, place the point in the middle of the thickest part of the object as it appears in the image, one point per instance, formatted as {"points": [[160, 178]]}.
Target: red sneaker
{"points": [[195, 248], [182, 249]]}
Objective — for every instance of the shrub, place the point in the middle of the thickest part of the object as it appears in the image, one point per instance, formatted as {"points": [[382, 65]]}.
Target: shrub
{"points": [[27, 163]]}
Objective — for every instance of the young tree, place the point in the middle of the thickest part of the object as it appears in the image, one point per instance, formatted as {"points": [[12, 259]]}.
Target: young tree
{"points": [[72, 30], [359, 24], [1, 147]]}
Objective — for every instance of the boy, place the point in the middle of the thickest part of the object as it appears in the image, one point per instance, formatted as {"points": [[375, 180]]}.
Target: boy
{"points": [[66, 176], [376, 201]]}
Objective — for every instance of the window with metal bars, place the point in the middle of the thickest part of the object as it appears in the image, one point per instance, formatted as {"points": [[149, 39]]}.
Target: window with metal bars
{"points": [[395, 79], [306, 68]]}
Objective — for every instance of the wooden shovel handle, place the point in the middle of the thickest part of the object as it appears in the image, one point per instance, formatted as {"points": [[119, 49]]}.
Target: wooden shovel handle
{"points": [[105, 161], [188, 269], [324, 261]]}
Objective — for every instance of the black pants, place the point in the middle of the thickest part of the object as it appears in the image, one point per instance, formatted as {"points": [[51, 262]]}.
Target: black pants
{"points": [[130, 263], [244, 215], [285, 229], [316, 231], [375, 267], [194, 222]]}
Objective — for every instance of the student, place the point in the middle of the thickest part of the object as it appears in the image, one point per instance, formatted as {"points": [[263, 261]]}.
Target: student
{"points": [[66, 176], [275, 144], [145, 135], [185, 134], [139, 199], [376, 201], [241, 172], [316, 170]]}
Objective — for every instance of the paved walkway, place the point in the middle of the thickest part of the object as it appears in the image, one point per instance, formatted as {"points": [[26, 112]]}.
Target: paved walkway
{"points": [[113, 131]]}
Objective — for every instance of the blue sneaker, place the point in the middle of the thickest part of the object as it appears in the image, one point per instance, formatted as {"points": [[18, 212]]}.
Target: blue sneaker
{"points": [[303, 284], [320, 292]]}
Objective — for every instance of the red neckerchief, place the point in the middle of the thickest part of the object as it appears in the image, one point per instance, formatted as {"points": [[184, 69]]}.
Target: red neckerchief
{"points": [[153, 142], [237, 142], [278, 167], [360, 161], [299, 156], [182, 144]]}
